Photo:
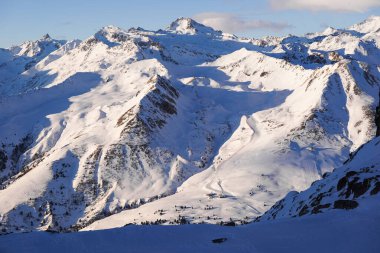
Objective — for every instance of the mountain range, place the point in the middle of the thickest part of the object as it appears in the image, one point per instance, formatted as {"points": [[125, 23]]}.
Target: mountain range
{"points": [[187, 125]]}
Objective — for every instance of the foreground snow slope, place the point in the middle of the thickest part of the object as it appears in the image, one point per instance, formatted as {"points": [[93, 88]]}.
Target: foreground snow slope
{"points": [[337, 231], [180, 125]]}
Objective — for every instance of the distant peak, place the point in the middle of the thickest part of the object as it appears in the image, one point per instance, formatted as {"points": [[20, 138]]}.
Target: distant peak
{"points": [[370, 20], [189, 26], [46, 37], [110, 29], [110, 35], [136, 29], [329, 30], [371, 24], [373, 18], [184, 23]]}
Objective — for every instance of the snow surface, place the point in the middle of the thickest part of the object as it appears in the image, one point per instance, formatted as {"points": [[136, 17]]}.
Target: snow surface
{"points": [[336, 231]]}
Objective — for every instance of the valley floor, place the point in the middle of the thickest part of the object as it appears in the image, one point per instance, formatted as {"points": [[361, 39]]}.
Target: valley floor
{"points": [[336, 231]]}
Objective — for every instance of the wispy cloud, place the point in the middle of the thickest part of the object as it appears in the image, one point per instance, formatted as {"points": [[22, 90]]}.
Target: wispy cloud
{"points": [[232, 24], [326, 5]]}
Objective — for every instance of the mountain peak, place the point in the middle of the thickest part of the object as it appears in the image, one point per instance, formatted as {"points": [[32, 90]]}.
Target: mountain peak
{"points": [[329, 30], [371, 24], [110, 35], [110, 29], [183, 22], [372, 19], [46, 37], [189, 26], [41, 47]]}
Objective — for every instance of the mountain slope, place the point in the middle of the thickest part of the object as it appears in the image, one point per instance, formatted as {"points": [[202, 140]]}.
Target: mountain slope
{"points": [[346, 187]]}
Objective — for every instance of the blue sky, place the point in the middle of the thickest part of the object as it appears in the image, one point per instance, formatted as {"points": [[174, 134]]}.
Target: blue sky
{"points": [[30, 19]]}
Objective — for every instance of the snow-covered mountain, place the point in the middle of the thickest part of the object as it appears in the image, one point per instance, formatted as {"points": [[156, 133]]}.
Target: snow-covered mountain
{"points": [[18, 59], [180, 125]]}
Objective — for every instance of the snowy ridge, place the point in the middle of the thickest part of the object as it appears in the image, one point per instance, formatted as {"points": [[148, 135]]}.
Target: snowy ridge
{"points": [[183, 125], [370, 25]]}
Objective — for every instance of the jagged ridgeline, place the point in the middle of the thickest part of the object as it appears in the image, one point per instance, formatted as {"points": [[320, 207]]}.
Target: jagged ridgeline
{"points": [[185, 125]]}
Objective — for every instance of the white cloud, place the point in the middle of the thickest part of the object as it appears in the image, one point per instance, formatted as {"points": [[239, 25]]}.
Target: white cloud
{"points": [[232, 24], [326, 5]]}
